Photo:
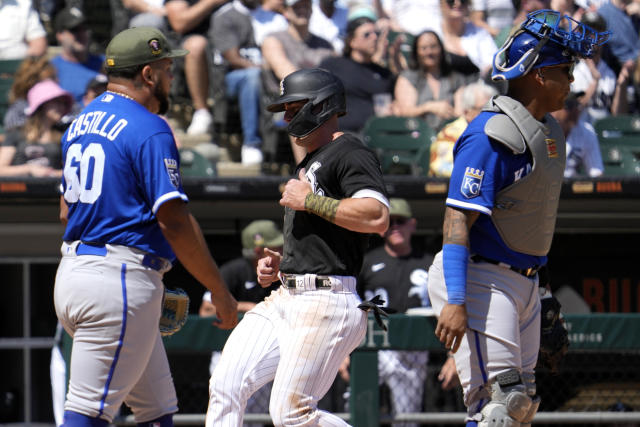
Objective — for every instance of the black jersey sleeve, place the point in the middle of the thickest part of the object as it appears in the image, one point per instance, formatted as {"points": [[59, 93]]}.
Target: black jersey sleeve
{"points": [[359, 169]]}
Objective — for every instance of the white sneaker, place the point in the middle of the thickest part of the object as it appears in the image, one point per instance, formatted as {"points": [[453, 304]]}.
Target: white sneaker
{"points": [[200, 122], [251, 155]]}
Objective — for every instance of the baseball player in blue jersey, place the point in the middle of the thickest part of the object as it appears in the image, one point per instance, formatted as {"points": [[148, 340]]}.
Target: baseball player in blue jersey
{"points": [[500, 219], [127, 220]]}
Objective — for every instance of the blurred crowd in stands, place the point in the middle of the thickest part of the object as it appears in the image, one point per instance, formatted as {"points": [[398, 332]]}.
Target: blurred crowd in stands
{"points": [[428, 60]]}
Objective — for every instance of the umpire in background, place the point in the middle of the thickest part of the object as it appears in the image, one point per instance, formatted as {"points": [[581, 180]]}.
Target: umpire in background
{"points": [[126, 221], [299, 336]]}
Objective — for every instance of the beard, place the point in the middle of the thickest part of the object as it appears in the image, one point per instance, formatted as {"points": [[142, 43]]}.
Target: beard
{"points": [[163, 100]]}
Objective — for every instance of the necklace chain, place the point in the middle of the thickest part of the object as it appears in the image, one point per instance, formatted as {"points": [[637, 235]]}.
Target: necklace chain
{"points": [[121, 94]]}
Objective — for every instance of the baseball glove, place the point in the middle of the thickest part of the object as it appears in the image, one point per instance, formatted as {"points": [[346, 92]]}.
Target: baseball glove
{"points": [[554, 339], [175, 308]]}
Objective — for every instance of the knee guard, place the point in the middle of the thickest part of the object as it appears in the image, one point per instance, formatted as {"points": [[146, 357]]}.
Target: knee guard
{"points": [[510, 404]]}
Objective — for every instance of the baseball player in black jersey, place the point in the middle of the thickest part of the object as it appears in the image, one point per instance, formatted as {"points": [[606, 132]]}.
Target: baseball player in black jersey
{"points": [[299, 335], [398, 273]]}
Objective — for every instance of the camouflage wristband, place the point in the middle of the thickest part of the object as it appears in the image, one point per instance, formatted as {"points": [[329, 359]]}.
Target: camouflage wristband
{"points": [[323, 206]]}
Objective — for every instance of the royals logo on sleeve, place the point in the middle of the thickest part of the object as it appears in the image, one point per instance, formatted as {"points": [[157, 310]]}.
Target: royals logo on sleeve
{"points": [[471, 182], [173, 171]]}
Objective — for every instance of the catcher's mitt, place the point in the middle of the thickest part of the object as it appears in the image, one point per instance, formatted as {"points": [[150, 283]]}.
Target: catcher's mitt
{"points": [[554, 339], [175, 308]]}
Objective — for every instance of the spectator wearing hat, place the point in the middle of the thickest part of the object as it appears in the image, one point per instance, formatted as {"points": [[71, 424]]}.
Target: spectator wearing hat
{"points": [[398, 273], [21, 32], [361, 76], [287, 51], [75, 65], [242, 280], [329, 21], [31, 71], [34, 150]]}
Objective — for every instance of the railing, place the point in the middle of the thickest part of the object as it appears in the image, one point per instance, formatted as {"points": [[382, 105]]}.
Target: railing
{"points": [[592, 334]]}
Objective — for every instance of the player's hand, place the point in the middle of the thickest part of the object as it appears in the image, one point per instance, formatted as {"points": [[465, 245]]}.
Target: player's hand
{"points": [[448, 375], [343, 370], [268, 268], [452, 324], [226, 309], [295, 191]]}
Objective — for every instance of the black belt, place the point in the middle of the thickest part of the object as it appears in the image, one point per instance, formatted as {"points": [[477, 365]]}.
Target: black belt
{"points": [[99, 249], [321, 282], [526, 272]]}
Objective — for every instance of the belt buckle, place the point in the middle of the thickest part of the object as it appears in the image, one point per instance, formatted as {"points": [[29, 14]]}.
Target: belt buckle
{"points": [[530, 271]]}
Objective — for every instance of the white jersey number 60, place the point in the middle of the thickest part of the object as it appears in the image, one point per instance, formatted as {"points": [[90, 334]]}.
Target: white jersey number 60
{"points": [[81, 186]]}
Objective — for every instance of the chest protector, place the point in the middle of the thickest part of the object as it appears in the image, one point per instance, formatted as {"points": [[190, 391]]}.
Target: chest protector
{"points": [[525, 212]]}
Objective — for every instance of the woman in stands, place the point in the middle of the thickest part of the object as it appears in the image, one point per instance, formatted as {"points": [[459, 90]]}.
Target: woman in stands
{"points": [[427, 90], [31, 71], [34, 150]]}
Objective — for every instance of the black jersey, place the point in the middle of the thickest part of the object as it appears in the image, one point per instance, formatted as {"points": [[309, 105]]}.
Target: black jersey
{"points": [[313, 244], [400, 281], [242, 280]]}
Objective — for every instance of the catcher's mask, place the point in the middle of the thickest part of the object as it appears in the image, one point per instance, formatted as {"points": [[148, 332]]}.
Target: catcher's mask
{"points": [[544, 39], [321, 88]]}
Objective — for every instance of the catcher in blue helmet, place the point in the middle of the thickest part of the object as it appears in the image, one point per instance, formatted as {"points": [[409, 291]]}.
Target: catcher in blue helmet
{"points": [[499, 222]]}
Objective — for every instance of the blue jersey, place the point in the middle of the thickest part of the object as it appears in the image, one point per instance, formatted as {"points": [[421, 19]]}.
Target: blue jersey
{"points": [[120, 165], [482, 167]]}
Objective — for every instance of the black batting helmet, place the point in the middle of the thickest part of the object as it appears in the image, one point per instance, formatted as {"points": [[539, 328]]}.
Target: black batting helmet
{"points": [[318, 86]]}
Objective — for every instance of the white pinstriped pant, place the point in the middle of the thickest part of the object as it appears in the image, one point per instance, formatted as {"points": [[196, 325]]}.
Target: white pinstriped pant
{"points": [[297, 338]]}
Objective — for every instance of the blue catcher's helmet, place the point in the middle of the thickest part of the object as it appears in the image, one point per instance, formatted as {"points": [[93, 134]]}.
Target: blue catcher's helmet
{"points": [[544, 39]]}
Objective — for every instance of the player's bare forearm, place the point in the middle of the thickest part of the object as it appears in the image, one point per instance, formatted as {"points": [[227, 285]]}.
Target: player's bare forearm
{"points": [[185, 237], [366, 215], [457, 223]]}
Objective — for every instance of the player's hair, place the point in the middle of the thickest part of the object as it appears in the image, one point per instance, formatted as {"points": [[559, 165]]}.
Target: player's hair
{"points": [[352, 26], [128, 73], [445, 65]]}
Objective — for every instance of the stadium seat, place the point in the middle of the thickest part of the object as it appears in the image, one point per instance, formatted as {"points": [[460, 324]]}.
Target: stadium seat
{"points": [[195, 165], [401, 143], [619, 138], [8, 68]]}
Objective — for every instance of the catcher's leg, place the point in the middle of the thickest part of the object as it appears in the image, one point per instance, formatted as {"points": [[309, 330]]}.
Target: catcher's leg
{"points": [[513, 401], [248, 361]]}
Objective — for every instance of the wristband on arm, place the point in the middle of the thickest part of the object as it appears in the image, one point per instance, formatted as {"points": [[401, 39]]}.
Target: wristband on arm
{"points": [[455, 259], [323, 206]]}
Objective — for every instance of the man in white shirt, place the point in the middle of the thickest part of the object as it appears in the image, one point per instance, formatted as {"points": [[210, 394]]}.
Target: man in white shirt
{"points": [[21, 32], [583, 150], [329, 21]]}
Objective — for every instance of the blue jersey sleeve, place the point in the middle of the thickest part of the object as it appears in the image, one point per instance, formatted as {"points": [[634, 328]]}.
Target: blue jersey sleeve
{"points": [[158, 166], [475, 175]]}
